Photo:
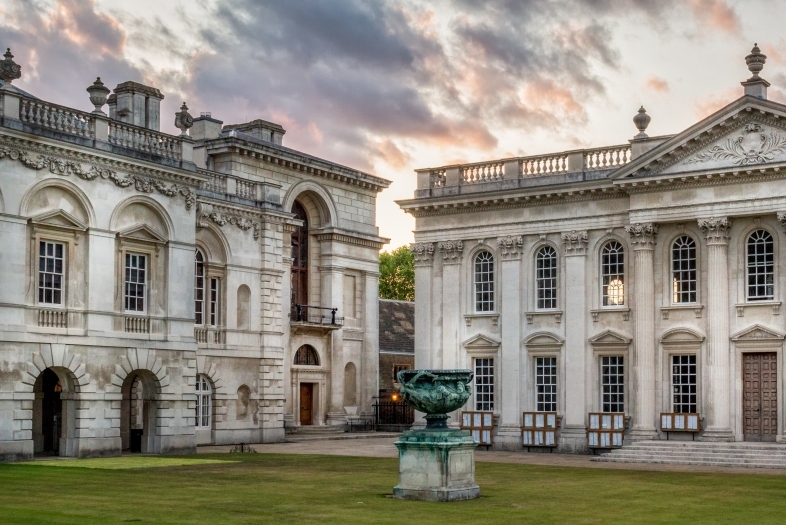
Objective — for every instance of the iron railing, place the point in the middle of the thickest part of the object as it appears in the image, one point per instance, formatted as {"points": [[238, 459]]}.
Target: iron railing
{"points": [[304, 313], [393, 413]]}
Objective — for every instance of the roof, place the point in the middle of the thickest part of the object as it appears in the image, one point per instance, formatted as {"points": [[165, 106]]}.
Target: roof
{"points": [[396, 326]]}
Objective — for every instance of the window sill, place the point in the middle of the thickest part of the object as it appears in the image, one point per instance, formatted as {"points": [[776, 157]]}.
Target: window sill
{"points": [[775, 305], [493, 316], [610, 310], [532, 314], [697, 308]]}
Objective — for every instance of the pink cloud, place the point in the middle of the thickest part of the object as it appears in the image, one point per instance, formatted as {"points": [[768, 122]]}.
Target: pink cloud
{"points": [[657, 84], [717, 14]]}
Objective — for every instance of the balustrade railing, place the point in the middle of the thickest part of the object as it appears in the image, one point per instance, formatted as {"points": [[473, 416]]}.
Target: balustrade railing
{"points": [[53, 318], [246, 189], [209, 336], [56, 118], [137, 325], [544, 164], [486, 172], [437, 178], [216, 183], [605, 158], [145, 140]]}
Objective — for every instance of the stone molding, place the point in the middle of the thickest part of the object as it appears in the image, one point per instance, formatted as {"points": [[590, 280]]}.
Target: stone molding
{"points": [[642, 235], [347, 239], [206, 212], [716, 229], [452, 251], [510, 247], [575, 242], [423, 252]]}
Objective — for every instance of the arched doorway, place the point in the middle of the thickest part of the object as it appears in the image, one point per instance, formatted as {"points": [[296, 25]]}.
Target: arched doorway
{"points": [[138, 413], [53, 413]]}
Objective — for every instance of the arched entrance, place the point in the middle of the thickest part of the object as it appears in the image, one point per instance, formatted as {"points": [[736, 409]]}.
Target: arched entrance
{"points": [[53, 413], [138, 413]]}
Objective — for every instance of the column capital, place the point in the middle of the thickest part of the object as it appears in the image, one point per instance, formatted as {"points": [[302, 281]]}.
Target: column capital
{"points": [[423, 253], [510, 247], [782, 219], [452, 251], [716, 229], [642, 235], [575, 242]]}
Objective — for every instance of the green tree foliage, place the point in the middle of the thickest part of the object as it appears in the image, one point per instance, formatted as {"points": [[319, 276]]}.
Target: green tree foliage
{"points": [[397, 275]]}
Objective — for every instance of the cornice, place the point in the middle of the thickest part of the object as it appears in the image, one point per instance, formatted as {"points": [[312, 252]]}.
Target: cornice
{"points": [[223, 215], [349, 239], [706, 178]]}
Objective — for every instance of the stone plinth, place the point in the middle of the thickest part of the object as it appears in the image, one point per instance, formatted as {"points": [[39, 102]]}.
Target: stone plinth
{"points": [[436, 465]]}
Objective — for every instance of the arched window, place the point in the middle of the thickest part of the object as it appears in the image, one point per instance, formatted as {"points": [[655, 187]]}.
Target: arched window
{"points": [[306, 355], [546, 277], [204, 404], [199, 288], [612, 271], [300, 257], [761, 272], [683, 270], [484, 282]]}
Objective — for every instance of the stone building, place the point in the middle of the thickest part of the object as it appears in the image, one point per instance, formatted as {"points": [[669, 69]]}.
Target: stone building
{"points": [[163, 291], [643, 278], [396, 342]]}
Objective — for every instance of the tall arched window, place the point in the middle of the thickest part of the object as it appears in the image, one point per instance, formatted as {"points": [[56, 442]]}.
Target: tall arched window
{"points": [[204, 404], [612, 271], [199, 288], [306, 355], [683, 270], [300, 257], [760, 250], [484, 282], [546, 277]]}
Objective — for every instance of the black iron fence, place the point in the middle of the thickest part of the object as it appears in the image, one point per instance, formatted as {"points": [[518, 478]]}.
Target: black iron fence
{"points": [[303, 313], [393, 413]]}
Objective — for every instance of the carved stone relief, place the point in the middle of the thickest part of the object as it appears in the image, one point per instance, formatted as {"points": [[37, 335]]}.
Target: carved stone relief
{"points": [[575, 242], [452, 251], [205, 212], [510, 246], [642, 234], [423, 253]]}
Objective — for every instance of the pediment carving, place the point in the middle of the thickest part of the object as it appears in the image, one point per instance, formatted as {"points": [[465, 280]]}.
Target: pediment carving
{"points": [[543, 340], [677, 336], [609, 338], [758, 333], [59, 219], [143, 233], [480, 341]]}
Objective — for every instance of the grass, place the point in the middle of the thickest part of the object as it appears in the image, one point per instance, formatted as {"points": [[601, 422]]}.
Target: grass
{"points": [[298, 489]]}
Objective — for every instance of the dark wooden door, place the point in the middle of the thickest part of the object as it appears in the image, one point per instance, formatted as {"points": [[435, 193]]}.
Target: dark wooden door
{"points": [[759, 398], [306, 403]]}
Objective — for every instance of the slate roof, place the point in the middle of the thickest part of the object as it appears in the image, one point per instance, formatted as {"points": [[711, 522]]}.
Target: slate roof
{"points": [[396, 326]]}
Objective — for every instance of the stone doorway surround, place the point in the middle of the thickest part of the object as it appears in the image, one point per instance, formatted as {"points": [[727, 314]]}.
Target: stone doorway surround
{"points": [[318, 378], [759, 396]]}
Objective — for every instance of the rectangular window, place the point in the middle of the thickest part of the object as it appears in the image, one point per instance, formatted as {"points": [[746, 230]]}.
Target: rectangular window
{"points": [[683, 383], [484, 282], [546, 384], [546, 278], [612, 383], [397, 369], [484, 384], [135, 282], [51, 268], [214, 317]]}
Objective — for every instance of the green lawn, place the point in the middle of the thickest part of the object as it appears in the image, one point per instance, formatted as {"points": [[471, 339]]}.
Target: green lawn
{"points": [[281, 489]]}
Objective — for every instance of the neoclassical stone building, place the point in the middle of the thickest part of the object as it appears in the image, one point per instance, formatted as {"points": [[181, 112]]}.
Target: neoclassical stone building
{"points": [[164, 291], [641, 278]]}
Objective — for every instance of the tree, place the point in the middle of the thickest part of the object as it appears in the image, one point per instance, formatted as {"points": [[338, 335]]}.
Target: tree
{"points": [[397, 275]]}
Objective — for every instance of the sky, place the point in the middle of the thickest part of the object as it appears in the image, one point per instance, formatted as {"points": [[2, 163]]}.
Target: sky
{"points": [[390, 86]]}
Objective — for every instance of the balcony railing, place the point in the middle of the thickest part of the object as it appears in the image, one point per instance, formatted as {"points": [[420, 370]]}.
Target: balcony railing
{"points": [[56, 118], [213, 336], [144, 140], [316, 315]]}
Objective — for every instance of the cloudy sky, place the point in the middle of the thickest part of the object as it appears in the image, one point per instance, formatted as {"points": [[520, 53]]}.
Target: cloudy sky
{"points": [[387, 87]]}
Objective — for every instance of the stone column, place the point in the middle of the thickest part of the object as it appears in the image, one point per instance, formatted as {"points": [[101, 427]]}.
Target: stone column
{"points": [[423, 253], [642, 237], [716, 365], [369, 363], [508, 391], [573, 437], [333, 297], [452, 255]]}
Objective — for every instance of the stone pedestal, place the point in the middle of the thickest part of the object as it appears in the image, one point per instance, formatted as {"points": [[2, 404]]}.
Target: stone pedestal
{"points": [[436, 465]]}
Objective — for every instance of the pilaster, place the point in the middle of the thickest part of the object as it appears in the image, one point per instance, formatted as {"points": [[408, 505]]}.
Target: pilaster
{"points": [[642, 238], [509, 358], [717, 410], [332, 292], [423, 253], [452, 255]]}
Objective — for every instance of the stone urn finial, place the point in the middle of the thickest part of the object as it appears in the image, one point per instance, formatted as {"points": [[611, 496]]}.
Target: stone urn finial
{"points": [[9, 70], [98, 95], [641, 120], [183, 120], [755, 61]]}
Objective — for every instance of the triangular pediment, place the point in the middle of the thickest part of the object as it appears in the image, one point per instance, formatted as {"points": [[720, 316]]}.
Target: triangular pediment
{"points": [[609, 337], [543, 339], [681, 336], [480, 341], [748, 132], [758, 332], [59, 219], [144, 233]]}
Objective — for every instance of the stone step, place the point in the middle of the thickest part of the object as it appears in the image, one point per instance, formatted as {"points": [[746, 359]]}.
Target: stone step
{"points": [[697, 457], [661, 461], [717, 454], [319, 429]]}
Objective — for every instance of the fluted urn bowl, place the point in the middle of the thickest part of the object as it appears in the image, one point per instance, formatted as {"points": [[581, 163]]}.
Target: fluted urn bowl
{"points": [[435, 392]]}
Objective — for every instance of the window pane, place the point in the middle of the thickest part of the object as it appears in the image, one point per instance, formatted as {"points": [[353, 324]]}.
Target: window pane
{"points": [[484, 282], [612, 266], [760, 268], [612, 384], [546, 278], [135, 285], [546, 384], [683, 264], [51, 267], [484, 384], [683, 381]]}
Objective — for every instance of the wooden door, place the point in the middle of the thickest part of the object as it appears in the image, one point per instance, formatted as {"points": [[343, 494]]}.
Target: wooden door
{"points": [[306, 403], [759, 398]]}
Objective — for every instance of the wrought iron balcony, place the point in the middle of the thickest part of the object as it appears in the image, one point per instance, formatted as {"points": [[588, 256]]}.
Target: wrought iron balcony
{"points": [[305, 314]]}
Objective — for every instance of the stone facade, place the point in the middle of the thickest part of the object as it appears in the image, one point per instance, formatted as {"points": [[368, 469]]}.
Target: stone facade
{"points": [[138, 264], [611, 267]]}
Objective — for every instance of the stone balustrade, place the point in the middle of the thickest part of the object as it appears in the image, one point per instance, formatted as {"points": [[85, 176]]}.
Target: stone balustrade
{"points": [[136, 325], [605, 158], [484, 172], [56, 118], [216, 183], [437, 178], [144, 140], [53, 318], [544, 164], [213, 336], [246, 189]]}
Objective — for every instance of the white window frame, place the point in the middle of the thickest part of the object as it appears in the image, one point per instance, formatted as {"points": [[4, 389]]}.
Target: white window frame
{"points": [[695, 374], [204, 404], [128, 257], [484, 287], [199, 288], [682, 267], [46, 258], [214, 301], [618, 384], [546, 384], [616, 279], [767, 268], [484, 384], [546, 283]]}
